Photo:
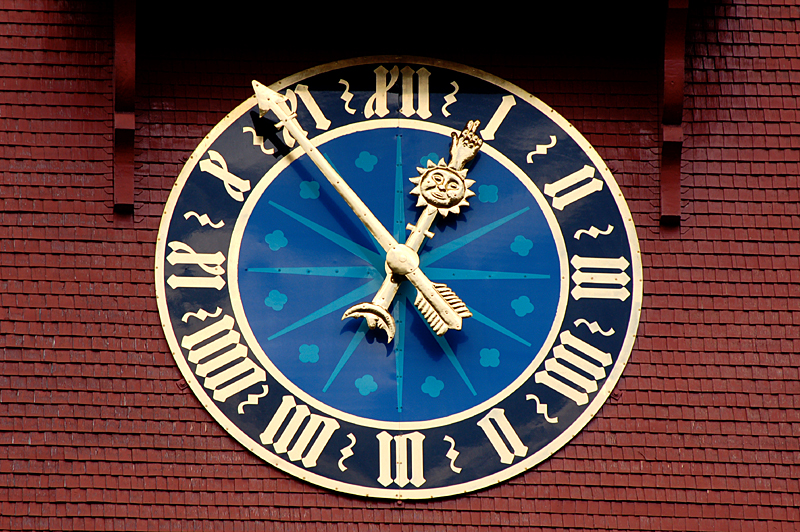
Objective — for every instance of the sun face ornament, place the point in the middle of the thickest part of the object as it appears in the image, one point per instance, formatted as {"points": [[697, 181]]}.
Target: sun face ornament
{"points": [[398, 277], [441, 188], [446, 187]]}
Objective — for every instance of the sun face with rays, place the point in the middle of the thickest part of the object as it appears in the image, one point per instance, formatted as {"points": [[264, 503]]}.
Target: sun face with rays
{"points": [[442, 187]]}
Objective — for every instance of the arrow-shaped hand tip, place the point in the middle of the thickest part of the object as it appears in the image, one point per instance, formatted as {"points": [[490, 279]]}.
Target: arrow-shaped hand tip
{"points": [[265, 96]]}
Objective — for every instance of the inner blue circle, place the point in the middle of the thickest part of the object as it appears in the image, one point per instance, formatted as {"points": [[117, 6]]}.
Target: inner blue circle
{"points": [[305, 259]]}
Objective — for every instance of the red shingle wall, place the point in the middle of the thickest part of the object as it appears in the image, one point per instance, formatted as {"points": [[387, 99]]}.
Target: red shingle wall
{"points": [[97, 431]]}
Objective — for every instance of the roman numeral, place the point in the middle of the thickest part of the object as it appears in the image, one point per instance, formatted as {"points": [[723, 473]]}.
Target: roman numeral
{"points": [[600, 278], [208, 262], [222, 362], [377, 103], [499, 115], [218, 167], [405, 461], [559, 200], [423, 96], [574, 373], [303, 449], [506, 451], [320, 120]]}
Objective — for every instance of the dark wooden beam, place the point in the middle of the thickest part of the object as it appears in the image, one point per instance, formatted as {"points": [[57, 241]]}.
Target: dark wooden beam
{"points": [[124, 103], [672, 115]]}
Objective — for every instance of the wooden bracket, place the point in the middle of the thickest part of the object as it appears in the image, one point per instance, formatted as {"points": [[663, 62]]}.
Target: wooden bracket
{"points": [[672, 115], [124, 102]]}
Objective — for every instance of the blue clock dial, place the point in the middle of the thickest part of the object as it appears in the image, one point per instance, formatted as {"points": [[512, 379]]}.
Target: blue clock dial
{"points": [[491, 302], [304, 261]]}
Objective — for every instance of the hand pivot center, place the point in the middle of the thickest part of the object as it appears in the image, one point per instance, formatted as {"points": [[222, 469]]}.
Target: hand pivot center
{"points": [[402, 260]]}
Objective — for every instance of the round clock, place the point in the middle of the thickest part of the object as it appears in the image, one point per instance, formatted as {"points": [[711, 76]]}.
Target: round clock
{"points": [[398, 277]]}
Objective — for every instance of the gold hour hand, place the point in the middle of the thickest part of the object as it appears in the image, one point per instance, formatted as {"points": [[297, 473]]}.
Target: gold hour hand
{"points": [[442, 189]]}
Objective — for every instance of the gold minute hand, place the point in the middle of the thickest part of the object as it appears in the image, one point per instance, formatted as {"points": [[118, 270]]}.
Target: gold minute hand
{"points": [[400, 259], [271, 100]]}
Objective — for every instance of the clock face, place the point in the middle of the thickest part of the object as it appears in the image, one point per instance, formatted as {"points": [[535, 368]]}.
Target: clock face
{"points": [[530, 242]]}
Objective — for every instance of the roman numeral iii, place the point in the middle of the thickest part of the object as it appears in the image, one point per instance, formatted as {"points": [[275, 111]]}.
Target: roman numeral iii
{"points": [[600, 278]]}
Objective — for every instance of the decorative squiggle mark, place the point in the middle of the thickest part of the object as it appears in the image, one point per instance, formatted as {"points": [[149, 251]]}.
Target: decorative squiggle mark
{"points": [[450, 98], [252, 399], [452, 454], [541, 408], [204, 219], [258, 141], [347, 452], [201, 315], [347, 96], [593, 232], [541, 149], [594, 327]]}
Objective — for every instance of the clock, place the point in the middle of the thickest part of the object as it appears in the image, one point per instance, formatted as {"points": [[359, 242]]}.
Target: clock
{"points": [[398, 277]]}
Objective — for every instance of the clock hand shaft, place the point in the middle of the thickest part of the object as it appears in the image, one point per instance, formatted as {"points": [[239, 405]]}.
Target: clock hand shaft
{"points": [[421, 229], [440, 307], [390, 285], [269, 99], [449, 312]]}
